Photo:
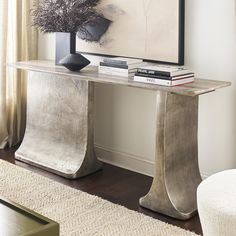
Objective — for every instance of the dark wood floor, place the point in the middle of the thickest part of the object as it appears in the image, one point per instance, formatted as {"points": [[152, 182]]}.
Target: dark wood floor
{"points": [[114, 184]]}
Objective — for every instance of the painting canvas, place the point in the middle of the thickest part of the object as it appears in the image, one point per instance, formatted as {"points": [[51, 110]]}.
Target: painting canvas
{"points": [[147, 29]]}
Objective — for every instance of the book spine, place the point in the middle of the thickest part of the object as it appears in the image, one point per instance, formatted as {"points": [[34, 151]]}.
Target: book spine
{"points": [[154, 72], [154, 76], [114, 65], [116, 62], [166, 77], [117, 73], [115, 69], [152, 81]]}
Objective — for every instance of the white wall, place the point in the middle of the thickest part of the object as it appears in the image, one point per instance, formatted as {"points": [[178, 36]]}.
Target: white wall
{"points": [[211, 52], [125, 117]]}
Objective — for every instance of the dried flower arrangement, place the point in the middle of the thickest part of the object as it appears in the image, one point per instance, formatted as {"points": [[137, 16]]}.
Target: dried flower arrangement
{"points": [[64, 15], [66, 18]]}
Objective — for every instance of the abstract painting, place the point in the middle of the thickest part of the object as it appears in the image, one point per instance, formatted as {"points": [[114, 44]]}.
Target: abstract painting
{"points": [[148, 29]]}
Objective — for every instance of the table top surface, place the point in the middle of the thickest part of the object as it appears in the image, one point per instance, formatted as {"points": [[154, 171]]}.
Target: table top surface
{"points": [[90, 73]]}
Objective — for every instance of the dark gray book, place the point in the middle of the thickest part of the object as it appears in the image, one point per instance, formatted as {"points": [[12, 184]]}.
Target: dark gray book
{"points": [[127, 67], [122, 61]]}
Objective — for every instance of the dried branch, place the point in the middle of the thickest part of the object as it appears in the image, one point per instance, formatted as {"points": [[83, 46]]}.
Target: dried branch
{"points": [[64, 15]]}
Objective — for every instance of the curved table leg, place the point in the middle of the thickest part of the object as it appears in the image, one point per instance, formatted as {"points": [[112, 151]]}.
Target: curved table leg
{"points": [[59, 130], [173, 191]]}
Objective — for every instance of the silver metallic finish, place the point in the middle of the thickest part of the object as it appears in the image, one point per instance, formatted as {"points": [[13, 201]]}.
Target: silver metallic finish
{"points": [[59, 132], [173, 191]]}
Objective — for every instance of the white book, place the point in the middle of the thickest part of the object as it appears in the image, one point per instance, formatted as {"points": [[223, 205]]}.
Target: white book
{"points": [[116, 70], [125, 73], [162, 81]]}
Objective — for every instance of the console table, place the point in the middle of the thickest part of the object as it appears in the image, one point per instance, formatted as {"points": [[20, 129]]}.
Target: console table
{"points": [[59, 131]]}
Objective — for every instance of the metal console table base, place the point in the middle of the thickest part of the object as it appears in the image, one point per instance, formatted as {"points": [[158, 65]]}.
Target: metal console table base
{"points": [[59, 129], [173, 191], [59, 132]]}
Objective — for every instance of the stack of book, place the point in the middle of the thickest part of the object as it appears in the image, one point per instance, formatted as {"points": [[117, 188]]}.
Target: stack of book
{"points": [[164, 75], [120, 66]]}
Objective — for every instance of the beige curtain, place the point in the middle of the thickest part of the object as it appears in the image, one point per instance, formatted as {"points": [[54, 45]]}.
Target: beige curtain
{"points": [[18, 41]]}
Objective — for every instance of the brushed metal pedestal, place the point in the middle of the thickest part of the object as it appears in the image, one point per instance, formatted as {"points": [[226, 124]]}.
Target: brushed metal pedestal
{"points": [[59, 130], [173, 191]]}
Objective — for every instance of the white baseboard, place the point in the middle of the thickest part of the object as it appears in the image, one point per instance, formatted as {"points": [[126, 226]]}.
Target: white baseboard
{"points": [[127, 161], [204, 175]]}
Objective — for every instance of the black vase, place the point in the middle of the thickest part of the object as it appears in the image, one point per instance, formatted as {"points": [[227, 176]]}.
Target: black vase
{"points": [[74, 62], [65, 44], [66, 52]]}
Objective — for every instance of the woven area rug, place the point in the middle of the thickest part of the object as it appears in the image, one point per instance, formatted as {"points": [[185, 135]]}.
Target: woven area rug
{"points": [[78, 213]]}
